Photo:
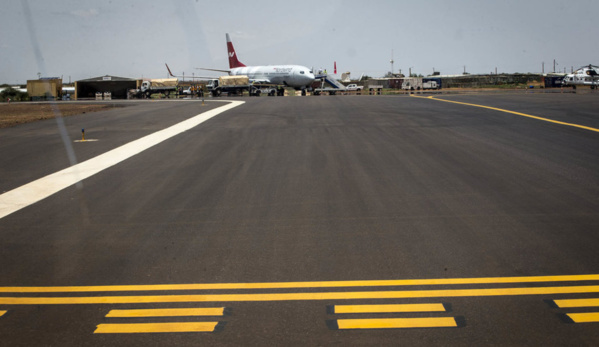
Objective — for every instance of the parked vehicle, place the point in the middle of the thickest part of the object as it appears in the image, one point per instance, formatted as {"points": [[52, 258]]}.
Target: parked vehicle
{"points": [[157, 86], [416, 83], [236, 85], [354, 87]]}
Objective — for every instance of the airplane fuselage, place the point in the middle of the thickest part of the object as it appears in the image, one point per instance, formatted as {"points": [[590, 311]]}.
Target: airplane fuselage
{"points": [[295, 76]]}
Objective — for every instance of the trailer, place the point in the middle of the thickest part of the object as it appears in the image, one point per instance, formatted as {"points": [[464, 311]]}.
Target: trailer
{"points": [[236, 85], [375, 89], [417, 83], [156, 86]]}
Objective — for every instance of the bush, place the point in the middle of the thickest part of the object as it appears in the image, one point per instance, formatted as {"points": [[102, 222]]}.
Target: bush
{"points": [[13, 94]]}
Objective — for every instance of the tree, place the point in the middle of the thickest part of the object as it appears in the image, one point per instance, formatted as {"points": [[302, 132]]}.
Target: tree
{"points": [[13, 94]]}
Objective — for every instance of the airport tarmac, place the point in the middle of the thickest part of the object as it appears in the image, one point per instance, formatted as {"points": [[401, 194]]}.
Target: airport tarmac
{"points": [[284, 217]]}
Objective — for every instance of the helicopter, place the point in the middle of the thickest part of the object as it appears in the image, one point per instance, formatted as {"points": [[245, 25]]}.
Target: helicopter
{"points": [[584, 76]]}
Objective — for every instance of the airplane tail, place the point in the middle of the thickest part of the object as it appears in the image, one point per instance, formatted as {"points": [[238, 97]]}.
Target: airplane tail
{"points": [[233, 62], [169, 70]]}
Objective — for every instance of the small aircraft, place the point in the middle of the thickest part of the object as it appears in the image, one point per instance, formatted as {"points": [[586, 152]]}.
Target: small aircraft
{"points": [[584, 76], [295, 76]]}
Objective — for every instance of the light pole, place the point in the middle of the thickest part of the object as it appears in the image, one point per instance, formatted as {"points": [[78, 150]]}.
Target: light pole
{"points": [[391, 61]]}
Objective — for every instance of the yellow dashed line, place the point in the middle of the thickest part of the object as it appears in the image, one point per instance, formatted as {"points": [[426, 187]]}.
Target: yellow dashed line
{"points": [[168, 312], [590, 317], [338, 309], [396, 323], [178, 327], [576, 303]]}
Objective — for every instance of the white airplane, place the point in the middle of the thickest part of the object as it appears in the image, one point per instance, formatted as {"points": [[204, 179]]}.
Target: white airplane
{"points": [[585, 76], [295, 76]]}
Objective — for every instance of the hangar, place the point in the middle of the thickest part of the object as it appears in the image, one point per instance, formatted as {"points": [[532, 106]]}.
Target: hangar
{"points": [[118, 86]]}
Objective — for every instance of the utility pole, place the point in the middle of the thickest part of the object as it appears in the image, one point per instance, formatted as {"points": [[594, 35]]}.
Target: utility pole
{"points": [[543, 68], [391, 63]]}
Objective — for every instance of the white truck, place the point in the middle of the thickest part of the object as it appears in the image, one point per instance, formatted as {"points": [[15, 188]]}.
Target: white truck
{"points": [[415, 83], [236, 85], [155, 86], [354, 87]]}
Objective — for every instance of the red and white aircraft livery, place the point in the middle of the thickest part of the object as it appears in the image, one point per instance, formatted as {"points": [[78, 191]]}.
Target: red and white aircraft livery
{"points": [[296, 76]]}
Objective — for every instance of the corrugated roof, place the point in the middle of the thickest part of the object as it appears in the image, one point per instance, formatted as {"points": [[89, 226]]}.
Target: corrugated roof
{"points": [[108, 78]]}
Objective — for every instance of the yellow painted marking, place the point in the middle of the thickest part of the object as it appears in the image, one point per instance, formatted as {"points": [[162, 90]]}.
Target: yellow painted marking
{"points": [[395, 323], [2, 313], [513, 112], [168, 312], [590, 317], [289, 285], [298, 296], [389, 308], [181, 327], [577, 303]]}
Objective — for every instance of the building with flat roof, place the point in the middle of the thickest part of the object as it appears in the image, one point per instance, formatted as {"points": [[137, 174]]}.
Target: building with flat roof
{"points": [[45, 88]]}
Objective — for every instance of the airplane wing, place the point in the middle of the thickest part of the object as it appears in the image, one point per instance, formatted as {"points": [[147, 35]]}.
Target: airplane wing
{"points": [[190, 77], [201, 68]]}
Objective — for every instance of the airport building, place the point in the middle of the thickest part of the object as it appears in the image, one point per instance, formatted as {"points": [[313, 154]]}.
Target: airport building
{"points": [[116, 86], [45, 88]]}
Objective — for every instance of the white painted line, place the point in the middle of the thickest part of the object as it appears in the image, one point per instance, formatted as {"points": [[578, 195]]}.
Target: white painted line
{"points": [[42, 188]]}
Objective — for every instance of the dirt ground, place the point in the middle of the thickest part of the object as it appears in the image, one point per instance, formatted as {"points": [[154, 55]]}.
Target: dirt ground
{"points": [[20, 113]]}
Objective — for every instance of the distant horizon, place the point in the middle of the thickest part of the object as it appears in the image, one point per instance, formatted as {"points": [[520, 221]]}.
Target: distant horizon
{"points": [[86, 39], [372, 77]]}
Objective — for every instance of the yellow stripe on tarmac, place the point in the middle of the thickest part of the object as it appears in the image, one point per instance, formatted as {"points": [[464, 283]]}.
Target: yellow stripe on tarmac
{"points": [[590, 317], [298, 296], [2, 313], [577, 303], [183, 327], [396, 323], [168, 312], [290, 285], [512, 112], [389, 308]]}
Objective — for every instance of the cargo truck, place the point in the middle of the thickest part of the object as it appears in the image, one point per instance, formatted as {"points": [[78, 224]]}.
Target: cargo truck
{"points": [[157, 86], [236, 85]]}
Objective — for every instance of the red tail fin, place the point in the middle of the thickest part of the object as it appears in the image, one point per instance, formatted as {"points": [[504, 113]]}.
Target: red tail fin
{"points": [[233, 62]]}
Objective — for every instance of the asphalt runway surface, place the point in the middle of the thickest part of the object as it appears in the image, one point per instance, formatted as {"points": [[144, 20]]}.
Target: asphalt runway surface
{"points": [[288, 215]]}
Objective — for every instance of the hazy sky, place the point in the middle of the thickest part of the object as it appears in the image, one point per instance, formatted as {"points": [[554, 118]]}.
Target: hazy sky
{"points": [[82, 38]]}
